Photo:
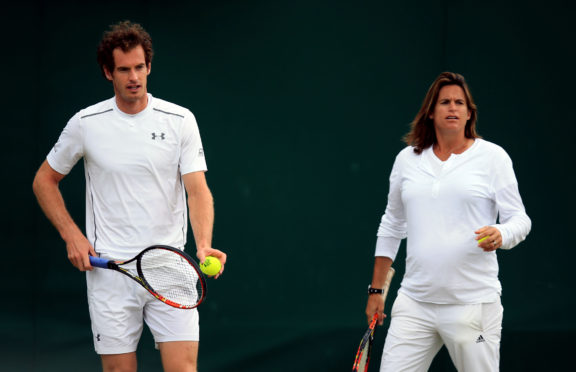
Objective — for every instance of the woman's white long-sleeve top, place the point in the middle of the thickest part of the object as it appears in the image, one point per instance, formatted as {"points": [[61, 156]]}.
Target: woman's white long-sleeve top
{"points": [[437, 206]]}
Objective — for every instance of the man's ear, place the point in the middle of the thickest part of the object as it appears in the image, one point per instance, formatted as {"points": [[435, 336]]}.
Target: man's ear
{"points": [[107, 73]]}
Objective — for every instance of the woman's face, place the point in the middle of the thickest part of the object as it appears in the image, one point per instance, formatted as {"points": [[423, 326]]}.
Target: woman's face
{"points": [[451, 110]]}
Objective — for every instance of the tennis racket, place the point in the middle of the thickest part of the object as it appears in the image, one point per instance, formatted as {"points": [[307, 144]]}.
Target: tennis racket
{"points": [[362, 359], [169, 274], [363, 355]]}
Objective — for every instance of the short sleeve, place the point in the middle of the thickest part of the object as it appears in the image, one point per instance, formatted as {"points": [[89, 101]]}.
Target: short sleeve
{"points": [[192, 157], [68, 149]]}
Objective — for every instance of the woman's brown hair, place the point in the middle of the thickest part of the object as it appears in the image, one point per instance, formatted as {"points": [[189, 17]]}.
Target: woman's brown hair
{"points": [[422, 134]]}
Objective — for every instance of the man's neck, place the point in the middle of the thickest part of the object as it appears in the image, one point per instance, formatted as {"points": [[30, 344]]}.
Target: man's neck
{"points": [[132, 107]]}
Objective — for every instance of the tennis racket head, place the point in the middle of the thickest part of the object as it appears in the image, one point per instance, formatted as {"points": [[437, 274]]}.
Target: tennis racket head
{"points": [[172, 276], [362, 359]]}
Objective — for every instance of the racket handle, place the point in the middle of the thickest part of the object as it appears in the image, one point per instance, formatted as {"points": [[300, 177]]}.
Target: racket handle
{"points": [[99, 262]]}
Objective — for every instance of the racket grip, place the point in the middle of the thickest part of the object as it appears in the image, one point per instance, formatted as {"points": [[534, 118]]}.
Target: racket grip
{"points": [[99, 262]]}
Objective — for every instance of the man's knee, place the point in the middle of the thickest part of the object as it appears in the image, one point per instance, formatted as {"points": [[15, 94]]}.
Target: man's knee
{"points": [[119, 362]]}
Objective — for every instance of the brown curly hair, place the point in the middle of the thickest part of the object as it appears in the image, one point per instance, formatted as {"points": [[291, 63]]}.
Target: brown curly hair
{"points": [[422, 134], [125, 35]]}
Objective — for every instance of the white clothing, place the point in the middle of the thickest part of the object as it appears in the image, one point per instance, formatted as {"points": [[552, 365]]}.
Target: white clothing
{"points": [[118, 306], [471, 333], [438, 208], [133, 164]]}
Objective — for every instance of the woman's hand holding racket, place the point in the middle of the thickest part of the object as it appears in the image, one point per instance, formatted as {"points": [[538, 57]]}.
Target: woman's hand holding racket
{"points": [[376, 303], [375, 307], [375, 314]]}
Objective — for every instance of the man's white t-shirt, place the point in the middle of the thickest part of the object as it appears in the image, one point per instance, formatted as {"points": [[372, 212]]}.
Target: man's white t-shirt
{"points": [[438, 206], [135, 196]]}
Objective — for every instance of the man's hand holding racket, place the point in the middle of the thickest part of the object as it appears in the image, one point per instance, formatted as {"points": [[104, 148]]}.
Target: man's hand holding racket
{"points": [[79, 248]]}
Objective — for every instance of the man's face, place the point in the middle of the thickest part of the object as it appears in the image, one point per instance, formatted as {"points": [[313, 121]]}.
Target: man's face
{"points": [[129, 77]]}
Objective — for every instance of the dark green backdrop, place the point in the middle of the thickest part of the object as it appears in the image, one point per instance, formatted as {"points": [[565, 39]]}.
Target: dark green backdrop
{"points": [[301, 105]]}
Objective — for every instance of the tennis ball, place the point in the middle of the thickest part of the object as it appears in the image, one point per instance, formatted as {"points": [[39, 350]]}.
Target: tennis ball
{"points": [[481, 240], [211, 266]]}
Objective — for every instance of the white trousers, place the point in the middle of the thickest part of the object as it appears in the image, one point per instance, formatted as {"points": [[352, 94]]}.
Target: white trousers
{"points": [[418, 330]]}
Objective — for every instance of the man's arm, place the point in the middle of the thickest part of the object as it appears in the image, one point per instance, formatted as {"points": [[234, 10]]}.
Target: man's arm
{"points": [[48, 194], [201, 210]]}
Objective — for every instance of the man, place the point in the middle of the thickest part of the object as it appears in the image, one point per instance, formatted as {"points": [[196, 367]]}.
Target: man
{"points": [[142, 155]]}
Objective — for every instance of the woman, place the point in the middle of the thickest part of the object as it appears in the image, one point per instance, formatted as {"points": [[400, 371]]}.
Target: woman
{"points": [[455, 197]]}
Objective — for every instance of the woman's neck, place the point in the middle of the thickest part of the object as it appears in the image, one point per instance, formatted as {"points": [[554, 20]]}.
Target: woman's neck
{"points": [[445, 147]]}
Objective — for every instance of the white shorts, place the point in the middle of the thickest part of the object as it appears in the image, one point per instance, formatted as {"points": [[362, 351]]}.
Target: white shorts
{"points": [[118, 308], [418, 330]]}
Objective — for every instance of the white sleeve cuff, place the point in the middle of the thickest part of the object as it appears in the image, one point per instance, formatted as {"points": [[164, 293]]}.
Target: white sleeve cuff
{"points": [[387, 247]]}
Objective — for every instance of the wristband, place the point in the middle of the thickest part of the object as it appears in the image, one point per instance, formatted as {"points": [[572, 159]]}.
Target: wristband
{"points": [[374, 290]]}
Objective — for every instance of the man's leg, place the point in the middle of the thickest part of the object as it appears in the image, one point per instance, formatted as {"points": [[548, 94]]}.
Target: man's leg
{"points": [[179, 356], [176, 334], [115, 303], [119, 362]]}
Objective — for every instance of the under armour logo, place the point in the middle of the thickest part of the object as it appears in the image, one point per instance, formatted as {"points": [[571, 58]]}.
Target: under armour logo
{"points": [[162, 136], [98, 337]]}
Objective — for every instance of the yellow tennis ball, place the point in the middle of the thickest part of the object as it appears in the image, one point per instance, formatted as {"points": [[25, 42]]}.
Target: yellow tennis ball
{"points": [[211, 266], [481, 240]]}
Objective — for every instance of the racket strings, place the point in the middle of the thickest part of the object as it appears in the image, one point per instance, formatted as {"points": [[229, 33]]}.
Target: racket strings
{"points": [[171, 276]]}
